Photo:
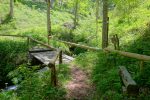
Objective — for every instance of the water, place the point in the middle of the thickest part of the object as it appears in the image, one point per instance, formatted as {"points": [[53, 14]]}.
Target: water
{"points": [[9, 88], [6, 85]]}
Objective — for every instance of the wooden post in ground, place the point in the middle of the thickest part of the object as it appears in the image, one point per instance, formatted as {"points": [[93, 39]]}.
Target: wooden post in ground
{"points": [[141, 66], [28, 46], [115, 41], [53, 75], [60, 57], [107, 25], [28, 43]]}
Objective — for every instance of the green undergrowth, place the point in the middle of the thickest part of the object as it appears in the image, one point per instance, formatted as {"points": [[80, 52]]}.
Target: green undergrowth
{"points": [[12, 53], [63, 71], [33, 85], [133, 30]]}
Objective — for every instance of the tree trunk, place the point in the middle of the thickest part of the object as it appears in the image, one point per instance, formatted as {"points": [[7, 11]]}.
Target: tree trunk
{"points": [[76, 13], [48, 19], [11, 13], [105, 24], [97, 17]]}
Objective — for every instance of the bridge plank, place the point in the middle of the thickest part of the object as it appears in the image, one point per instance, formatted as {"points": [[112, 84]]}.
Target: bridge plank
{"points": [[45, 57]]}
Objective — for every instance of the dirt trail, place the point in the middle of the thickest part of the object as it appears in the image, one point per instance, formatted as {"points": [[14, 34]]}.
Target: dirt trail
{"points": [[79, 87]]}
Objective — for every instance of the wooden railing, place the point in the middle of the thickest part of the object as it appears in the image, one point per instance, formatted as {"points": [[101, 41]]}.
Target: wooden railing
{"points": [[142, 58], [51, 65]]}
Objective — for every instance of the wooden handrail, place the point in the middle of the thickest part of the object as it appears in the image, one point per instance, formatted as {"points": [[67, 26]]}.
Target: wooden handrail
{"points": [[13, 35], [128, 54], [81, 46], [39, 42]]}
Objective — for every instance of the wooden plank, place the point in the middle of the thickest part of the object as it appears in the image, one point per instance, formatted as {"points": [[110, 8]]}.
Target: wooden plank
{"points": [[45, 57], [65, 59], [129, 83], [68, 57]]}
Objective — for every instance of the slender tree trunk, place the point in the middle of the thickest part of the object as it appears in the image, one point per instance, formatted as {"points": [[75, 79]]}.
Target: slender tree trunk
{"points": [[76, 13], [11, 13], [48, 19], [105, 24], [97, 16]]}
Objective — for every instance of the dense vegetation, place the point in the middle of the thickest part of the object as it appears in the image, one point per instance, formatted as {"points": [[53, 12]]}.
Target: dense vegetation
{"points": [[129, 19]]}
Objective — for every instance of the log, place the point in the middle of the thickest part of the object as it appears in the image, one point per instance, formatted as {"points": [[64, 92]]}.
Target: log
{"points": [[81, 46], [39, 42], [14, 35], [122, 53], [128, 54], [128, 82]]}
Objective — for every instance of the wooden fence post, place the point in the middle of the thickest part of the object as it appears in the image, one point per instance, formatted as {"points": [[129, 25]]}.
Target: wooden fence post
{"points": [[141, 66], [28, 43], [53, 75], [115, 41], [28, 46], [60, 57]]}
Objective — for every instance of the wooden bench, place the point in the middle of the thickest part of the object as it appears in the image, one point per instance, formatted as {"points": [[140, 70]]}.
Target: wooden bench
{"points": [[129, 87]]}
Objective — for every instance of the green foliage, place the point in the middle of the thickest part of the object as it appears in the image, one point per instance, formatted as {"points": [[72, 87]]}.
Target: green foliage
{"points": [[128, 18], [22, 72], [35, 86], [106, 78], [86, 60], [63, 73], [12, 54], [4, 4], [8, 96]]}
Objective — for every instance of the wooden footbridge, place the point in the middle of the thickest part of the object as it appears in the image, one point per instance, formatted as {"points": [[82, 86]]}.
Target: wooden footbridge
{"points": [[51, 56]]}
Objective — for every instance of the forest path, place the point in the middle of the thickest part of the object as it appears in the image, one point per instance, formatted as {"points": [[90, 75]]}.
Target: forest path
{"points": [[79, 87]]}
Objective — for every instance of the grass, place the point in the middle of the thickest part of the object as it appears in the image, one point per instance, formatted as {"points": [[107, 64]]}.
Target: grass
{"points": [[133, 31]]}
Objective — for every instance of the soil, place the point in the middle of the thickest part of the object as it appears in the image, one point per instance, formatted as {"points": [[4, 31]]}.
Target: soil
{"points": [[79, 87]]}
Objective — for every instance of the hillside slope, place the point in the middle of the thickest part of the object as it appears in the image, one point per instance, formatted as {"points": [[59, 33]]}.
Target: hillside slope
{"points": [[132, 28]]}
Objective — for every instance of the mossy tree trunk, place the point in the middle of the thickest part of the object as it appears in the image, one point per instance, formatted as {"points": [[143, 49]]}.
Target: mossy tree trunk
{"points": [[48, 19], [11, 12], [97, 16], [76, 13], [105, 24]]}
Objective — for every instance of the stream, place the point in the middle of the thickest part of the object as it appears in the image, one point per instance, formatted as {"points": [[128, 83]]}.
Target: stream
{"points": [[7, 86]]}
